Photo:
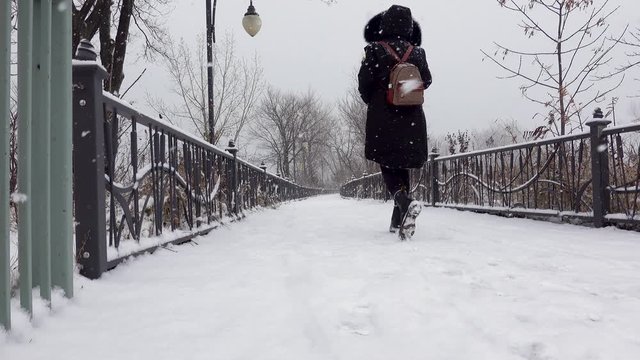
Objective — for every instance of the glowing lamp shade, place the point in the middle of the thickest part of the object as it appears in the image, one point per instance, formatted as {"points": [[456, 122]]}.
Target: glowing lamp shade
{"points": [[251, 21]]}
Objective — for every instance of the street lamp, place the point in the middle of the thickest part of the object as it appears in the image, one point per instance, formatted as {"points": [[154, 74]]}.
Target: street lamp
{"points": [[251, 23], [251, 20]]}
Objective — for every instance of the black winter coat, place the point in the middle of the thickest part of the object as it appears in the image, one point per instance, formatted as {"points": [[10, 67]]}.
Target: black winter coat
{"points": [[396, 136]]}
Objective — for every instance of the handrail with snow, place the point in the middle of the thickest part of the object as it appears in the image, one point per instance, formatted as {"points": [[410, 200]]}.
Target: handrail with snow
{"points": [[141, 183], [594, 175]]}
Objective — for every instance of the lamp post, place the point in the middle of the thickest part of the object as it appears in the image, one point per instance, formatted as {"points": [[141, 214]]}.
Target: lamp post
{"points": [[305, 154], [263, 167], [251, 23]]}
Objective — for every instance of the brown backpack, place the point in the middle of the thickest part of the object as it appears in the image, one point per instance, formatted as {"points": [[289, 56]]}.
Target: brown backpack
{"points": [[406, 87]]}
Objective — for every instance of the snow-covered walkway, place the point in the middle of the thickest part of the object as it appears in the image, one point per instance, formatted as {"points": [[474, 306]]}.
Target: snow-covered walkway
{"points": [[323, 279]]}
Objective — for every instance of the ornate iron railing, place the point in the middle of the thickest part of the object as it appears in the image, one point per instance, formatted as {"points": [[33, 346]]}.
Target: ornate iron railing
{"points": [[591, 178], [623, 160], [141, 183]]}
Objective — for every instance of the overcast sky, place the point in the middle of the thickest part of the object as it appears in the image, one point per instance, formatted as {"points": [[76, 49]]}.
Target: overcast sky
{"points": [[306, 44]]}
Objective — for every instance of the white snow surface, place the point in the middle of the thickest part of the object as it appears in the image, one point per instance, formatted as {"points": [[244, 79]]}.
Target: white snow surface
{"points": [[323, 279]]}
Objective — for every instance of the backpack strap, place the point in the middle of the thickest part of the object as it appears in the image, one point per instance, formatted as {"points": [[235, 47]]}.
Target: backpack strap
{"points": [[390, 50], [395, 54], [407, 54]]}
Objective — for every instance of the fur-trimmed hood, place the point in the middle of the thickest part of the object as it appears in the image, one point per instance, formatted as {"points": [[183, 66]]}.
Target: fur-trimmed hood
{"points": [[393, 23]]}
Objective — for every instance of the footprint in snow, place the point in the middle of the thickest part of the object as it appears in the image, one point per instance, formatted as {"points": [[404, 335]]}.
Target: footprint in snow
{"points": [[359, 321], [533, 351]]}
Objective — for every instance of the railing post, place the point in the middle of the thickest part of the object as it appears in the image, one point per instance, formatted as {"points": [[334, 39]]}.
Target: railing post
{"points": [[433, 163], [233, 150], [61, 149], [5, 73], [25, 106], [88, 162], [599, 167], [41, 151], [263, 167], [366, 185]]}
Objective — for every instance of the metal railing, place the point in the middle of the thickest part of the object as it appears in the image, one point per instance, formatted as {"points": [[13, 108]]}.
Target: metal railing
{"points": [[5, 88], [591, 178], [142, 183], [43, 195]]}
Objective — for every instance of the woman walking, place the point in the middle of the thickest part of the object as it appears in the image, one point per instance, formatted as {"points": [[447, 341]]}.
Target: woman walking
{"points": [[392, 77]]}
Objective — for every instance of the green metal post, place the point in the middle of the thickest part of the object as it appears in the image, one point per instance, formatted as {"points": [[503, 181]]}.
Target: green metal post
{"points": [[25, 52], [41, 165], [5, 88], [61, 149]]}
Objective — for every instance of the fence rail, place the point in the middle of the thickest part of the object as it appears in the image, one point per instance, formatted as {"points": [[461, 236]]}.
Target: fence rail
{"points": [[589, 178], [5, 88], [141, 183]]}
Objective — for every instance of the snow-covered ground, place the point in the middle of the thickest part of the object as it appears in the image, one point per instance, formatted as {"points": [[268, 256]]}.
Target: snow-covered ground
{"points": [[323, 279]]}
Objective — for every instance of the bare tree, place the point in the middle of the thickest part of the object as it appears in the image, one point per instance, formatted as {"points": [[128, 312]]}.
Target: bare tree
{"points": [[349, 138], [635, 112], [13, 149], [294, 131], [14, 12], [458, 143], [353, 113], [347, 159], [112, 21], [499, 132], [632, 44], [568, 78], [632, 47], [315, 143], [238, 85], [13, 108], [274, 127]]}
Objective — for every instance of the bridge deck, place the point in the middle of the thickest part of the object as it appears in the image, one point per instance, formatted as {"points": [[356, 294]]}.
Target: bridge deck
{"points": [[322, 279]]}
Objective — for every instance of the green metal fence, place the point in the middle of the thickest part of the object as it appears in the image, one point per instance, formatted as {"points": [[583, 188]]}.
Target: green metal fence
{"points": [[5, 84], [45, 216]]}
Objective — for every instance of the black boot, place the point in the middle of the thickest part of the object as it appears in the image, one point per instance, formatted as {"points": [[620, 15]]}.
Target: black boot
{"points": [[396, 219], [402, 200], [409, 209]]}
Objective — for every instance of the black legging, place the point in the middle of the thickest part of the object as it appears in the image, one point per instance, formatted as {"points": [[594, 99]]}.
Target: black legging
{"points": [[396, 179]]}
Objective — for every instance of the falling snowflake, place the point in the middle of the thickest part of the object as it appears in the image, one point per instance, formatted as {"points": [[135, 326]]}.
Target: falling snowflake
{"points": [[19, 198]]}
